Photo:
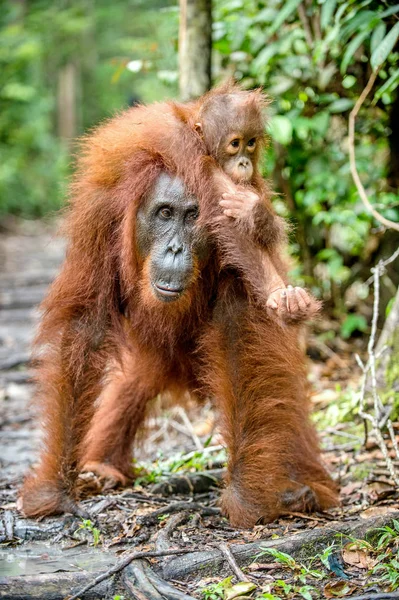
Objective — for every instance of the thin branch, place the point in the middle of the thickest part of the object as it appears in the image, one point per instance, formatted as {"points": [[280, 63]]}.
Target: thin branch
{"points": [[122, 564], [232, 562], [184, 417], [352, 155], [305, 25], [380, 416]]}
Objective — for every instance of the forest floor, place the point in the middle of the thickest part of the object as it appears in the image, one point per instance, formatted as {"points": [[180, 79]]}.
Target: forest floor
{"points": [[172, 510]]}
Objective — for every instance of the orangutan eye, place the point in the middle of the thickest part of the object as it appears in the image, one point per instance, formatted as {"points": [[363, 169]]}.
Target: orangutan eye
{"points": [[252, 143], [165, 213], [192, 215]]}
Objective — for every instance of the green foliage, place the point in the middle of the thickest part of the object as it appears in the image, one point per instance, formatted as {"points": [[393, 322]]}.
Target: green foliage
{"points": [[301, 572], [37, 40], [388, 573], [280, 589], [32, 161], [180, 462], [339, 411], [297, 580], [385, 573], [214, 591], [87, 525], [315, 59], [353, 323], [388, 536]]}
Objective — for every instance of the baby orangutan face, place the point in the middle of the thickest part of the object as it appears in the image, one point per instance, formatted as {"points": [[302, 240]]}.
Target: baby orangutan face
{"points": [[236, 154], [232, 127]]}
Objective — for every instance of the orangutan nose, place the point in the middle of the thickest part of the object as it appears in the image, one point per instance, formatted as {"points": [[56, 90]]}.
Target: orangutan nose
{"points": [[244, 162]]}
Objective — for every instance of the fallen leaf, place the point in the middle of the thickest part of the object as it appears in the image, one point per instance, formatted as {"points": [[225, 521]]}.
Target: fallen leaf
{"points": [[357, 556], [338, 589], [351, 487], [379, 490], [239, 589]]}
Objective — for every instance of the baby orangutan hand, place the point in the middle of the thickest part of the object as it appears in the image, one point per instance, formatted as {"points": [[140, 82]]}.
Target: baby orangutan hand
{"points": [[239, 205], [292, 304]]}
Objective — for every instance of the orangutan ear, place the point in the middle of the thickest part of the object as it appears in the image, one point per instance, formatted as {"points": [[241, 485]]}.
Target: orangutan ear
{"points": [[198, 128]]}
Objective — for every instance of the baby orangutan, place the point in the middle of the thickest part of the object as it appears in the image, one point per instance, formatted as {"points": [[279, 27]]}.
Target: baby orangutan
{"points": [[232, 126]]}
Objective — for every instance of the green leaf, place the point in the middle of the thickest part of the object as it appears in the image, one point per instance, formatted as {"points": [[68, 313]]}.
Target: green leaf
{"points": [[377, 36], [353, 323], [348, 81], [285, 12], [351, 49], [305, 592], [389, 85], [263, 57], [327, 11], [239, 589], [340, 105], [364, 19], [340, 12], [280, 128], [389, 11], [381, 53]]}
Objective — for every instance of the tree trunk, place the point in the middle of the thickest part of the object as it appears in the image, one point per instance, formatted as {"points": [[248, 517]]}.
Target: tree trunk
{"points": [[67, 91], [388, 364], [195, 48]]}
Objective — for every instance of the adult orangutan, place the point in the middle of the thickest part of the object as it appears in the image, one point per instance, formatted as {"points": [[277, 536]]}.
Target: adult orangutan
{"points": [[143, 287]]}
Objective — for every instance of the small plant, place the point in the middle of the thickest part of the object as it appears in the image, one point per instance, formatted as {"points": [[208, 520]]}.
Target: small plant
{"points": [[214, 591], [279, 589], [301, 572], [389, 574], [389, 535], [192, 461], [87, 525], [324, 556]]}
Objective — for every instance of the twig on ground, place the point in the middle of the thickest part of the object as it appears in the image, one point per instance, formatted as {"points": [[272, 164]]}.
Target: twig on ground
{"points": [[163, 539], [322, 346], [184, 417], [352, 155], [122, 564], [232, 562]]}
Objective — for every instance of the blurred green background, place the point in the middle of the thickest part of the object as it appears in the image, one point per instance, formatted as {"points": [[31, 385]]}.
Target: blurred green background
{"points": [[66, 65]]}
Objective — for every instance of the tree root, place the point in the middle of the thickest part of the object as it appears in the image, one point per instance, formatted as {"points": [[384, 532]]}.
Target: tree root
{"points": [[141, 582], [54, 586], [302, 545]]}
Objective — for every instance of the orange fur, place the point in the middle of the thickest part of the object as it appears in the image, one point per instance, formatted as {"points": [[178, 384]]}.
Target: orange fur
{"points": [[106, 347]]}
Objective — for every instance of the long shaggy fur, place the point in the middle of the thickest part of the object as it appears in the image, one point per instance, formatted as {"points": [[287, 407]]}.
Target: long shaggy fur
{"points": [[214, 340]]}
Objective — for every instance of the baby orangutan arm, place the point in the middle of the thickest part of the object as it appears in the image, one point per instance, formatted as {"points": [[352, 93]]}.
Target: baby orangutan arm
{"points": [[288, 303]]}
